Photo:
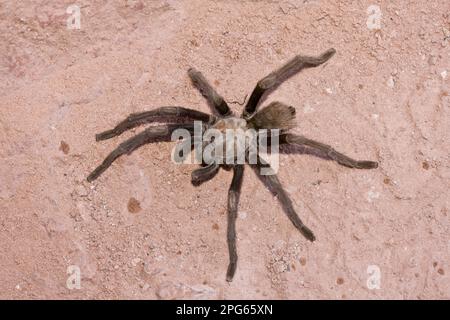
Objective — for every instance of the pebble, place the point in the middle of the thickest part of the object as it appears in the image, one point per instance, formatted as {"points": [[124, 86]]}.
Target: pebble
{"points": [[135, 261], [307, 108], [372, 195], [390, 82]]}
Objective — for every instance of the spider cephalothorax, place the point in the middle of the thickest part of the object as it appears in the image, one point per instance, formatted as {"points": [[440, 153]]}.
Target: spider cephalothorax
{"points": [[275, 116]]}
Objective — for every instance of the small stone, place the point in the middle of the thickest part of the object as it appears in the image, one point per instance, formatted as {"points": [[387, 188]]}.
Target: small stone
{"points": [[444, 74], [390, 82], [340, 281], [64, 147], [135, 261], [307, 108], [134, 205], [372, 195]]}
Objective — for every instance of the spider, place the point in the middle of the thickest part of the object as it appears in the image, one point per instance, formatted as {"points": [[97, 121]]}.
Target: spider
{"points": [[275, 115]]}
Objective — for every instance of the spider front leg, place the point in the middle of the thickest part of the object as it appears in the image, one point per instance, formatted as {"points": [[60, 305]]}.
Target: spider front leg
{"points": [[216, 102], [275, 78], [204, 174], [233, 201], [276, 188], [152, 134], [328, 150], [137, 119]]}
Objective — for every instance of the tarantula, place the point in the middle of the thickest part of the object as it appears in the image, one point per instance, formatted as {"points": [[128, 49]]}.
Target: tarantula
{"points": [[276, 115]]}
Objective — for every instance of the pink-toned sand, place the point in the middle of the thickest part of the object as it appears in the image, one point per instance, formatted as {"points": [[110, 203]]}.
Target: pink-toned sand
{"points": [[142, 231]]}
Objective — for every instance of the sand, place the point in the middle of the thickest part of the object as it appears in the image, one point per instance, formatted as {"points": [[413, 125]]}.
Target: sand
{"points": [[142, 231]]}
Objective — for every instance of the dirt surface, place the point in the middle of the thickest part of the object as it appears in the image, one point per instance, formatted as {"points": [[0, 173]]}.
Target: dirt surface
{"points": [[142, 231]]}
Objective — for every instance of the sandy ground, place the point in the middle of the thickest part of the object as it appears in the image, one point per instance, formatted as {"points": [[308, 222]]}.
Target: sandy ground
{"points": [[142, 231]]}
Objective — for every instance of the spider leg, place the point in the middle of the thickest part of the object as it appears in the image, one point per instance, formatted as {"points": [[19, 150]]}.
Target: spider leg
{"points": [[276, 188], [137, 119], [328, 150], [152, 134], [205, 173], [233, 201], [215, 101], [274, 79]]}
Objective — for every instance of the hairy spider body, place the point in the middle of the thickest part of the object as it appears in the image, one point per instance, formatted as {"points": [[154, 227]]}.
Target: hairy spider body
{"points": [[274, 116], [229, 144]]}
